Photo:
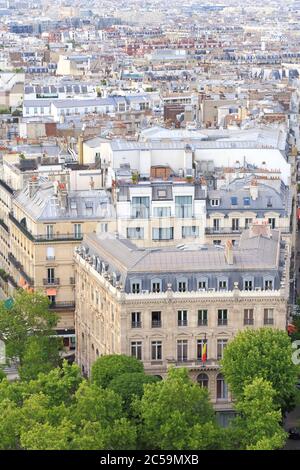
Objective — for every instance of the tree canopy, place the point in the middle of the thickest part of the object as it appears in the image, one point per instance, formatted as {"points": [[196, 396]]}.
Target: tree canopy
{"points": [[264, 353]]}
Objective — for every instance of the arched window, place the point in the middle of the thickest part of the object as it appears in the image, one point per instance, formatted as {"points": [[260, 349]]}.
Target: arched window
{"points": [[202, 380], [222, 389]]}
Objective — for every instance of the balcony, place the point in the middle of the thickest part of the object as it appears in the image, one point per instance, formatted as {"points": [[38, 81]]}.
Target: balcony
{"points": [[222, 231], [50, 258], [47, 237], [182, 322], [222, 321], [136, 324], [19, 267], [202, 322], [3, 225], [156, 323], [62, 305], [268, 321], [248, 321], [51, 282]]}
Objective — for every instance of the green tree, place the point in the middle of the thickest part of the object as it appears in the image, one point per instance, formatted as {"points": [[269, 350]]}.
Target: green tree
{"points": [[265, 353], [60, 384], [2, 375], [169, 411], [48, 437], [29, 315], [257, 426], [106, 368], [131, 385], [41, 354]]}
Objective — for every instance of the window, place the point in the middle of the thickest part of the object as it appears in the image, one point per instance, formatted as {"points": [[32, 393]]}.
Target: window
{"points": [[77, 231], [234, 201], [202, 285], [235, 225], [272, 222], [140, 207], [156, 286], [222, 317], [222, 284], [162, 212], [268, 284], [248, 284], [182, 318], [222, 389], [248, 316], [49, 232], [202, 317], [135, 287], [156, 350], [51, 299], [50, 275], [104, 227], [135, 233], [246, 201], [163, 233], [202, 380], [221, 345], [216, 225], [217, 242], [156, 319], [268, 316], [192, 231], [248, 223], [215, 202], [136, 320], [200, 345], [182, 350], [269, 202], [136, 349], [183, 206], [182, 286], [161, 193], [50, 253]]}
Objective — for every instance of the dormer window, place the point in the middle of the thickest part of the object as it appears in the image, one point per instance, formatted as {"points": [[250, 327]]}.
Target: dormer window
{"points": [[268, 284], [136, 287], [215, 202], [269, 202], [222, 284], [247, 201], [234, 200]]}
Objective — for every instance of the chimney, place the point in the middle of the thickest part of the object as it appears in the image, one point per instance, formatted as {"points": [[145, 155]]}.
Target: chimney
{"points": [[80, 149], [228, 252], [33, 185], [253, 190]]}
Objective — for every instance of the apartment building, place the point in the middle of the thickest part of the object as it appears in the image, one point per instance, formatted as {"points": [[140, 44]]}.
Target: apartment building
{"points": [[44, 222], [162, 305]]}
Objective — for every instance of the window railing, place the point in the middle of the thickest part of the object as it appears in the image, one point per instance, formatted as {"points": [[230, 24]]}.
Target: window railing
{"points": [[182, 322], [248, 321], [269, 321], [222, 321], [202, 321], [156, 323], [51, 281], [62, 305], [182, 359], [136, 324]]}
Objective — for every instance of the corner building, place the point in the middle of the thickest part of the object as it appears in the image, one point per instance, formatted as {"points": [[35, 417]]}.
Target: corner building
{"points": [[162, 305]]}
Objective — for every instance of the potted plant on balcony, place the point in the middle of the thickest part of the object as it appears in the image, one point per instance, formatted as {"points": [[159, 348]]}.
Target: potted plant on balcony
{"points": [[135, 178]]}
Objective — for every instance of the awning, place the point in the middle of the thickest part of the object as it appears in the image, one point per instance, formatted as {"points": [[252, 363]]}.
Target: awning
{"points": [[51, 291], [22, 282]]}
